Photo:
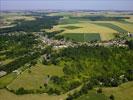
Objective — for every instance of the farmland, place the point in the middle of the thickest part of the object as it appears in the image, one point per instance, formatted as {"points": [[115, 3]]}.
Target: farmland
{"points": [[57, 55], [106, 26], [83, 37]]}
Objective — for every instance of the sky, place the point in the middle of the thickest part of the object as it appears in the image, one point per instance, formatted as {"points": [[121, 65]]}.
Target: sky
{"points": [[66, 4]]}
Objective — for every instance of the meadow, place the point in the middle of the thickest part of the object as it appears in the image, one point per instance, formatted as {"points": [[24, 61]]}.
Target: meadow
{"points": [[122, 92], [34, 78]]}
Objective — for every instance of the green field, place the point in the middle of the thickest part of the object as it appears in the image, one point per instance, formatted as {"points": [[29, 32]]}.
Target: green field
{"points": [[66, 69], [122, 92], [107, 25], [112, 26], [80, 37], [5, 80], [92, 95], [36, 77]]}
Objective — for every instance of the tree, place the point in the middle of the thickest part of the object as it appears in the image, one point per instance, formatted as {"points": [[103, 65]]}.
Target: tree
{"points": [[99, 90], [21, 91], [130, 44], [112, 97]]}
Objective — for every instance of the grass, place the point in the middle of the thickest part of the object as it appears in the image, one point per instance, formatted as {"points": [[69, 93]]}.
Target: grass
{"points": [[35, 77], [92, 95], [80, 37], [5, 80], [122, 92], [6, 95]]}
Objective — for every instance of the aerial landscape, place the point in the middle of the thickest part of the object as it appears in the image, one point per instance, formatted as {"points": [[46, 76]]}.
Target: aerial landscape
{"points": [[58, 51]]}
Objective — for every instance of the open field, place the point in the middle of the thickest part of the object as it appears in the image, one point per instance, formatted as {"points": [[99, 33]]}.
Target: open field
{"points": [[86, 27], [106, 24], [92, 95], [6, 95], [122, 92], [86, 37], [112, 26], [118, 26], [35, 77], [5, 80], [34, 66]]}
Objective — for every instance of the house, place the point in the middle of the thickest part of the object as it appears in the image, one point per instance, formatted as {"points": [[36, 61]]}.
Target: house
{"points": [[2, 73], [130, 34]]}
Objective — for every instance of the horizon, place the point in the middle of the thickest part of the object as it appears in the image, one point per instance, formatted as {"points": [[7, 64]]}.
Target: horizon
{"points": [[66, 5]]}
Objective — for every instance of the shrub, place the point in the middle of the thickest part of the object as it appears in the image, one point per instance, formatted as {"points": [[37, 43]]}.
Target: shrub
{"points": [[21, 91], [112, 97], [99, 90]]}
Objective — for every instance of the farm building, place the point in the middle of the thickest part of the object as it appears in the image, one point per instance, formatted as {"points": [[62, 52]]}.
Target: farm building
{"points": [[130, 34]]}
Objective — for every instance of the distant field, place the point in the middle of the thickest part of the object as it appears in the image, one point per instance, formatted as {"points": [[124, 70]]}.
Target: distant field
{"points": [[112, 26], [80, 37], [106, 24], [36, 77], [118, 26], [87, 27]]}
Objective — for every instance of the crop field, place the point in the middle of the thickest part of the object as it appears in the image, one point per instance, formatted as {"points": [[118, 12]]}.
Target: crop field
{"points": [[35, 77], [80, 37], [112, 26], [87, 27], [107, 25], [31, 63], [118, 26]]}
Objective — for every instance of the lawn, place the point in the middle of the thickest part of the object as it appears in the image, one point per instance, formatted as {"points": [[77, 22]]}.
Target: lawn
{"points": [[34, 77], [80, 37]]}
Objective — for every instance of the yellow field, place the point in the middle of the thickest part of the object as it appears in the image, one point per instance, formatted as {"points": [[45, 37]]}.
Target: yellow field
{"points": [[36, 77], [123, 92]]}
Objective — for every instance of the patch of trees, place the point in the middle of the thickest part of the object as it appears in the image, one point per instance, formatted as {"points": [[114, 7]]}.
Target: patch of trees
{"points": [[130, 44], [102, 66], [21, 47], [22, 91], [54, 34], [101, 18], [43, 22]]}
